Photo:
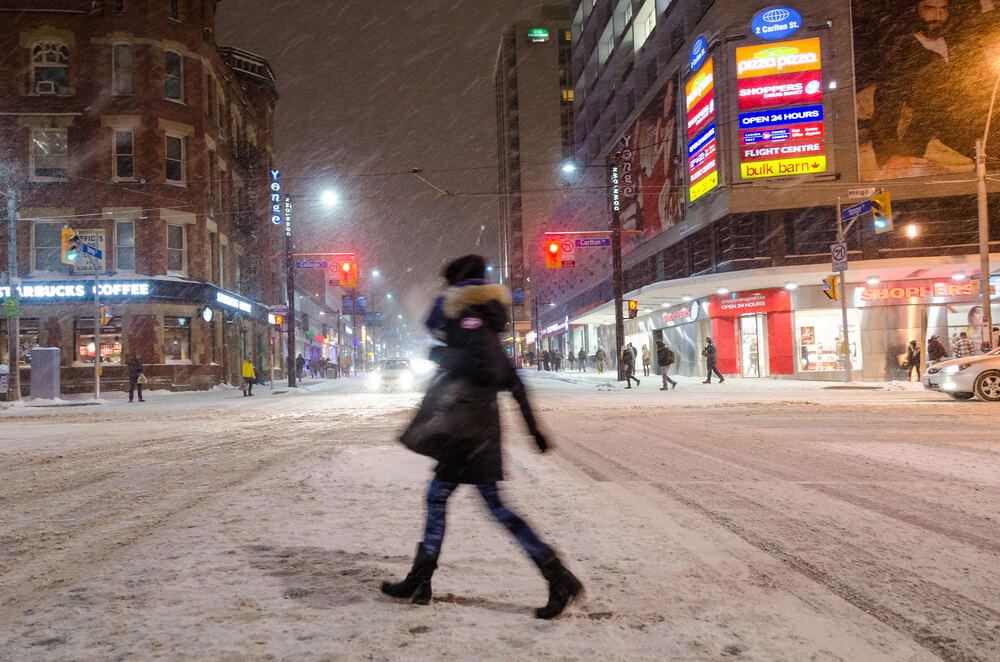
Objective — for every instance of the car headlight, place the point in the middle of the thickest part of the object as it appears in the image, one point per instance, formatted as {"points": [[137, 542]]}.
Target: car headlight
{"points": [[406, 380], [952, 369], [376, 378]]}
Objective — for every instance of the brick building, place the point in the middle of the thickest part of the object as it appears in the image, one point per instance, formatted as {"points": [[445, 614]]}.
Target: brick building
{"points": [[127, 123]]}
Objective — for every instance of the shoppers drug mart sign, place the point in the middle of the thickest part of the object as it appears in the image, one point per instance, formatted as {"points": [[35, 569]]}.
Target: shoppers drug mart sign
{"points": [[776, 23]]}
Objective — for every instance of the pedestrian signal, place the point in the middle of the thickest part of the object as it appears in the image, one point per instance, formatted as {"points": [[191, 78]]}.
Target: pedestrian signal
{"points": [[832, 290], [349, 274], [278, 319], [553, 255], [633, 308], [882, 212], [70, 246]]}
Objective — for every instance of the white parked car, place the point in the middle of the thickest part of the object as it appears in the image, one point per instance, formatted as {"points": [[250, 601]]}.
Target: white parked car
{"points": [[967, 377]]}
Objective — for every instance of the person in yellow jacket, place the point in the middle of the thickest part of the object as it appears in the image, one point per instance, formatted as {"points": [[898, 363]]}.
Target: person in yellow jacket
{"points": [[249, 377]]}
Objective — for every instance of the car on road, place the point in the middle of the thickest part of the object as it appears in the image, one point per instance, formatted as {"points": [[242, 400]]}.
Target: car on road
{"points": [[393, 375], [967, 377]]}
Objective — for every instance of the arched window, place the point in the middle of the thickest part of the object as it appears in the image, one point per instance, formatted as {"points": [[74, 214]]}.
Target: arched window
{"points": [[50, 68]]}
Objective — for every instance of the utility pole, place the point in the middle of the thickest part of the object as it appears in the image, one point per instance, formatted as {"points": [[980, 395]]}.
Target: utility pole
{"points": [[290, 291], [841, 239], [616, 262], [984, 238], [97, 333], [13, 323]]}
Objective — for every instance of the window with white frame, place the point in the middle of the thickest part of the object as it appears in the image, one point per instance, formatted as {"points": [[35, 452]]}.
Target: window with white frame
{"points": [[173, 75], [47, 247], [125, 245], [645, 22], [124, 154], [49, 154], [50, 68], [121, 67], [174, 159], [175, 249]]}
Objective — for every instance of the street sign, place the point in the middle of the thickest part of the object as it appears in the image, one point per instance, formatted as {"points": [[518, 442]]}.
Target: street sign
{"points": [[832, 290], [838, 254], [861, 192], [593, 243], [856, 210], [568, 249], [11, 309], [312, 264], [93, 251]]}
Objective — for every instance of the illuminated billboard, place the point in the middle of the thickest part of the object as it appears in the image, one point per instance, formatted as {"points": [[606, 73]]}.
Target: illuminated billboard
{"points": [[780, 95], [699, 95], [923, 85]]}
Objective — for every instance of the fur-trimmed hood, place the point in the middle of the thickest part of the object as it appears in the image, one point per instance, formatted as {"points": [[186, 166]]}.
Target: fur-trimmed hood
{"points": [[457, 299]]}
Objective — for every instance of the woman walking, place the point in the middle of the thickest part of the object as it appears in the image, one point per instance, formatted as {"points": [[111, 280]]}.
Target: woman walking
{"points": [[468, 318]]}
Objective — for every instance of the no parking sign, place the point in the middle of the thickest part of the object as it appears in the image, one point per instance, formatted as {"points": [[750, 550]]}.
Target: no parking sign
{"points": [[568, 249]]}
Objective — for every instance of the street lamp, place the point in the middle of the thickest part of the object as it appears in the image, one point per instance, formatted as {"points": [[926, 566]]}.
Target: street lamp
{"points": [[984, 223]]}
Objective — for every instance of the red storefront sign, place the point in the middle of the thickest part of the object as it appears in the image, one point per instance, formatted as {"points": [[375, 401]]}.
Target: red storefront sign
{"points": [[781, 90], [782, 151], [742, 303], [920, 291]]}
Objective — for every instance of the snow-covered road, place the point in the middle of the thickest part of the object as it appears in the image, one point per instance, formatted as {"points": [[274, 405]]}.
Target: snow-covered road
{"points": [[753, 520]]}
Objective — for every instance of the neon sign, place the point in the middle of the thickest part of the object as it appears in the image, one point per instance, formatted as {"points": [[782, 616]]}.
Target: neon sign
{"points": [[276, 197]]}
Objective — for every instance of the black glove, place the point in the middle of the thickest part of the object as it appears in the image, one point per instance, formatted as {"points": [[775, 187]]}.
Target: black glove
{"points": [[543, 444]]}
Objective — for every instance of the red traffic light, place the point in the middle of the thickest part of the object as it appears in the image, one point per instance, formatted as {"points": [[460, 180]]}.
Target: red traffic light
{"points": [[345, 267], [553, 255], [553, 246]]}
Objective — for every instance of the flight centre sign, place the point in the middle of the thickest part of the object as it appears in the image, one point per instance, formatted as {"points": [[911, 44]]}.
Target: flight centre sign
{"points": [[780, 99]]}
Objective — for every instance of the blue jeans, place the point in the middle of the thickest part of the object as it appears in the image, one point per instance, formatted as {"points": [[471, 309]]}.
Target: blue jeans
{"points": [[437, 503]]}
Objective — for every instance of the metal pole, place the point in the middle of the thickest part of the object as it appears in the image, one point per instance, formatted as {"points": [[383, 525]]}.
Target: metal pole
{"points": [[538, 332], [984, 240], [848, 368], [13, 323], [616, 265], [97, 332], [290, 291]]}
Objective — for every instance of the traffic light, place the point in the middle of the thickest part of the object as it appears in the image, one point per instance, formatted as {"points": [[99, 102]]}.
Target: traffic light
{"points": [[882, 212], [633, 308], [70, 246], [553, 255], [832, 290], [278, 319], [349, 274]]}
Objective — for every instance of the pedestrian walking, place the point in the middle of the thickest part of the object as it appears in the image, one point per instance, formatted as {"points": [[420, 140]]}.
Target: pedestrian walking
{"points": [[556, 360], [599, 358], [912, 360], [964, 346], [473, 313], [581, 359], [935, 350], [647, 361], [628, 365], [136, 378], [571, 357], [300, 366], [711, 354], [249, 377], [664, 359]]}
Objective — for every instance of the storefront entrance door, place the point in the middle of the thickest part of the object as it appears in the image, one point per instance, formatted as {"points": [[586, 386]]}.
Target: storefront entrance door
{"points": [[753, 345]]}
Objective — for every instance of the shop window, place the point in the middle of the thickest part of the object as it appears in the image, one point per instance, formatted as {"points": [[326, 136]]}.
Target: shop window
{"points": [[173, 75], [177, 339], [121, 66], [174, 159], [50, 68], [47, 247], [125, 245], [110, 340], [124, 154], [49, 155], [175, 249], [819, 335], [29, 338]]}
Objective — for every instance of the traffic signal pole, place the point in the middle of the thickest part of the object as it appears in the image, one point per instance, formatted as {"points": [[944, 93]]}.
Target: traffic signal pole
{"points": [[290, 292], [97, 335], [13, 323], [616, 264], [842, 239]]}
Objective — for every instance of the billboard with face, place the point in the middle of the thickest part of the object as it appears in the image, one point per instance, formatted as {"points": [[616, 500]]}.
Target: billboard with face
{"points": [[652, 146], [924, 74]]}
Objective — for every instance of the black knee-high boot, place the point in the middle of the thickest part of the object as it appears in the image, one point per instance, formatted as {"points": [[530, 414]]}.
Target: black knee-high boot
{"points": [[417, 584], [563, 587]]}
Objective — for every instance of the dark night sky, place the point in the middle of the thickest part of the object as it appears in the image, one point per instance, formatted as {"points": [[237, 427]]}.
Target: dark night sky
{"points": [[383, 86]]}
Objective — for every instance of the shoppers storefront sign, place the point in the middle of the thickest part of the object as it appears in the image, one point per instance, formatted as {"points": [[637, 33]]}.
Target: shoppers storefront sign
{"points": [[921, 291], [783, 90], [742, 303]]}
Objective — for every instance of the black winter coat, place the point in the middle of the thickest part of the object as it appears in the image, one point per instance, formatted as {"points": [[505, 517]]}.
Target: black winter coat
{"points": [[475, 315]]}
